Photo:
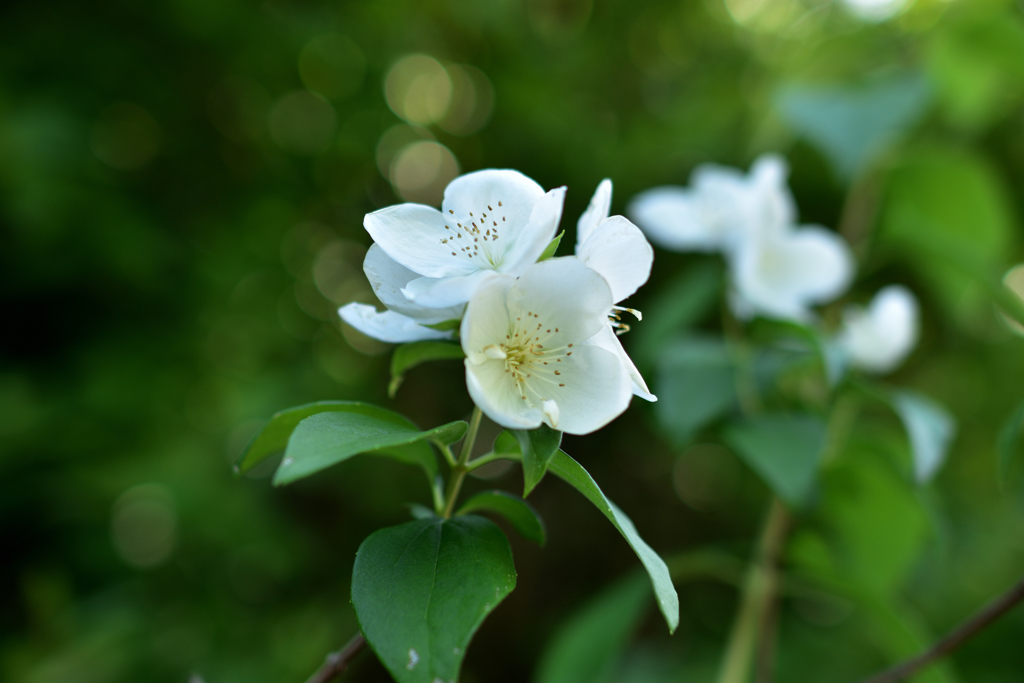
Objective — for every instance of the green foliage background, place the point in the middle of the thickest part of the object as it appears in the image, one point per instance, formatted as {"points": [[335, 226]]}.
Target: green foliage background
{"points": [[174, 246]]}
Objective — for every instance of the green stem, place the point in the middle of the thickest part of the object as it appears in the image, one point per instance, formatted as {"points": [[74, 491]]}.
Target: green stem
{"points": [[491, 457], [759, 592], [460, 469]]}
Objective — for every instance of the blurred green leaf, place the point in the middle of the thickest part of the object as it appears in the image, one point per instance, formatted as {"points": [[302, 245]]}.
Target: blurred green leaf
{"points": [[517, 511], [576, 476], [537, 446], [930, 428], [408, 356], [552, 247], [586, 647], [421, 590], [420, 511], [977, 64], [946, 204], [872, 524], [326, 439], [1009, 437], [785, 449], [695, 384], [676, 306], [853, 125]]}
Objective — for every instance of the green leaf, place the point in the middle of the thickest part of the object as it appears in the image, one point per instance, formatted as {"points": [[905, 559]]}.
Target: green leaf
{"points": [[326, 439], [273, 438], [1009, 436], [696, 384], [507, 443], [576, 476], [930, 428], [586, 647], [537, 446], [552, 247], [517, 511], [949, 206], [408, 356], [784, 449], [853, 125], [421, 590], [678, 306]]}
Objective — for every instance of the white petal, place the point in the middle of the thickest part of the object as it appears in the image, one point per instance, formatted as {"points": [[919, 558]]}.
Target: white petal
{"points": [[620, 253], [880, 338], [388, 277], [597, 390], [782, 274], [413, 234], [564, 295], [445, 292], [486, 321], [387, 326], [598, 209], [535, 236], [676, 219], [494, 391], [771, 204], [498, 194], [608, 340]]}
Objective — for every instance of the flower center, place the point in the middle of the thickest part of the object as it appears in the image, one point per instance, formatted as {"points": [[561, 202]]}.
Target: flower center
{"points": [[475, 237], [533, 363]]}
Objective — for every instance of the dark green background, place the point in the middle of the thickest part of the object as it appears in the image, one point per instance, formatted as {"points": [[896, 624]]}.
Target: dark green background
{"points": [[158, 251]]}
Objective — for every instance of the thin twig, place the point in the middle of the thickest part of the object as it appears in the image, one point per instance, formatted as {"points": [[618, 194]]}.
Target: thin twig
{"points": [[759, 593], [337, 662], [956, 638]]}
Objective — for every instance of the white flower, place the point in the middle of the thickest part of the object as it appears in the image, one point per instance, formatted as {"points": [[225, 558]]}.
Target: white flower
{"points": [[776, 269], [877, 339], [425, 264], [620, 253], [526, 360], [490, 222]]}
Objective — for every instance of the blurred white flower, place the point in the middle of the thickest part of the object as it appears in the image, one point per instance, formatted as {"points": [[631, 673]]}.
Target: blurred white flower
{"points": [[777, 269], [526, 360], [719, 209], [492, 221], [780, 273], [620, 253], [878, 338]]}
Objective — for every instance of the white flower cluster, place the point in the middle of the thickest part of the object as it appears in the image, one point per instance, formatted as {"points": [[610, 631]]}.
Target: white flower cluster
{"points": [[538, 336], [777, 269]]}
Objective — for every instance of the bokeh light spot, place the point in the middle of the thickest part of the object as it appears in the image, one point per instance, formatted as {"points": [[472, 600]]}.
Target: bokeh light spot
{"points": [[143, 526], [338, 272], [472, 100], [126, 137], [418, 89], [303, 122], [706, 476], [422, 170], [332, 65]]}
